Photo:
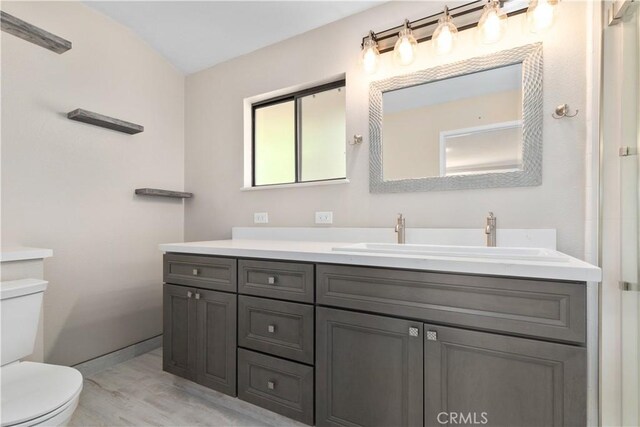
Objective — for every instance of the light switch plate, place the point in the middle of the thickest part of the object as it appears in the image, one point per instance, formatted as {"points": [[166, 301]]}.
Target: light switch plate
{"points": [[260, 217], [324, 217]]}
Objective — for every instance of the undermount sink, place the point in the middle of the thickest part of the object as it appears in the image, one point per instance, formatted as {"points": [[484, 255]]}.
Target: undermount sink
{"points": [[518, 254]]}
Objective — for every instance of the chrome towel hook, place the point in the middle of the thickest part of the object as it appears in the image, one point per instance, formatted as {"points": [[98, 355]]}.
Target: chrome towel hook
{"points": [[562, 111]]}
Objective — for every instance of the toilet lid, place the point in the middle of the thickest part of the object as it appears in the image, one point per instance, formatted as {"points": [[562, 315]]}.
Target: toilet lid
{"points": [[31, 390]]}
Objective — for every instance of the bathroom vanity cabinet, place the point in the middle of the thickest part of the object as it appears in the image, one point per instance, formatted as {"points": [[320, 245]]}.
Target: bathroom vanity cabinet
{"points": [[343, 345]]}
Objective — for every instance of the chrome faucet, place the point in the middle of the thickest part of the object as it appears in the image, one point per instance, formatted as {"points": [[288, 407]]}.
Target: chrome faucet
{"points": [[490, 230], [400, 227]]}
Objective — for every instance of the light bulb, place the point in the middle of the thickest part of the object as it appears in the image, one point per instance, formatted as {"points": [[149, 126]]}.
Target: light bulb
{"points": [[405, 51], [370, 56], [444, 43], [405, 48], [541, 14], [492, 24], [370, 60], [444, 37]]}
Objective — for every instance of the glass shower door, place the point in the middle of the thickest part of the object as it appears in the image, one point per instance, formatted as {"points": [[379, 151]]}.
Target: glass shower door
{"points": [[630, 226]]}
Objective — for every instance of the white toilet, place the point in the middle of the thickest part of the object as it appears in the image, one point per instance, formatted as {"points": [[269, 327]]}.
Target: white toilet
{"points": [[32, 394]]}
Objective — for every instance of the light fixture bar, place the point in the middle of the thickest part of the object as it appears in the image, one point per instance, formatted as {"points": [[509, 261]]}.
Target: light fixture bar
{"points": [[465, 16]]}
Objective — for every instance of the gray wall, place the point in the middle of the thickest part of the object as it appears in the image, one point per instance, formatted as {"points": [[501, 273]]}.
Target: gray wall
{"points": [[215, 134], [69, 186]]}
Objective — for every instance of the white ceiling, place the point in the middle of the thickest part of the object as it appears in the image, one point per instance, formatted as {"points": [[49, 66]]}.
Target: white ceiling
{"points": [[194, 35]]}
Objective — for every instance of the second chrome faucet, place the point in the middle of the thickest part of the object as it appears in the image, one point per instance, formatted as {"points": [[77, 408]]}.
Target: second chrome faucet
{"points": [[400, 229], [490, 230]]}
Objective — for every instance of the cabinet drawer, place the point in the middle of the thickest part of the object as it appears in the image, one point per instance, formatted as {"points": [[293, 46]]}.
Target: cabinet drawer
{"points": [[537, 308], [201, 271], [280, 328], [284, 280], [275, 384]]}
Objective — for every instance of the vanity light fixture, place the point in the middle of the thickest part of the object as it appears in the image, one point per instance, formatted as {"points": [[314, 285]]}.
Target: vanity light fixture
{"points": [[445, 35], [370, 56], [541, 14], [404, 51], [488, 17], [493, 22]]}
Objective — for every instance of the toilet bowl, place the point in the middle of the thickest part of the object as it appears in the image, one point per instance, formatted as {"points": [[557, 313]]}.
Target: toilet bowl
{"points": [[32, 394]]}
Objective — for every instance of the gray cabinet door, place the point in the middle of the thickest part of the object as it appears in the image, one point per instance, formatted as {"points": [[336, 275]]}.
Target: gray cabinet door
{"points": [[369, 370], [216, 344], [501, 380], [179, 323]]}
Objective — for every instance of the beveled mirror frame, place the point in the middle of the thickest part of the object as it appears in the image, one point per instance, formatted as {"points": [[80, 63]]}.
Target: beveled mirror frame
{"points": [[530, 56]]}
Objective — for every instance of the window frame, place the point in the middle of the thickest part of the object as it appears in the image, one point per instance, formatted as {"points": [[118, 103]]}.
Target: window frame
{"points": [[297, 113]]}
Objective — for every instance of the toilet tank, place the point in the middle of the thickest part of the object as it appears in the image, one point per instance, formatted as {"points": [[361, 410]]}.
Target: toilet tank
{"points": [[20, 303]]}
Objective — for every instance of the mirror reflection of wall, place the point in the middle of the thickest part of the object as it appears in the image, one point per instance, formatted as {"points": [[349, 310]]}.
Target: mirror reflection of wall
{"points": [[463, 125]]}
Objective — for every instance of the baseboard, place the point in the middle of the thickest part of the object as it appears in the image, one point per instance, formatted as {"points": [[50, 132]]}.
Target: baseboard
{"points": [[110, 359]]}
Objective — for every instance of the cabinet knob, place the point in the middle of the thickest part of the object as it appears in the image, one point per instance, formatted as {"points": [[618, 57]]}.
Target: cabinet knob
{"points": [[195, 272], [271, 385], [197, 295], [189, 294], [432, 336], [271, 280], [413, 331], [271, 329]]}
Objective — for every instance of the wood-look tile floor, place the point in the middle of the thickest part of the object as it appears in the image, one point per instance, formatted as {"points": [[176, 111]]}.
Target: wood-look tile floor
{"points": [[138, 393]]}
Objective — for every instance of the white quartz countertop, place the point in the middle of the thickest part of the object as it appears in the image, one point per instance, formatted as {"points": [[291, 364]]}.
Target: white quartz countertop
{"points": [[24, 253], [322, 252]]}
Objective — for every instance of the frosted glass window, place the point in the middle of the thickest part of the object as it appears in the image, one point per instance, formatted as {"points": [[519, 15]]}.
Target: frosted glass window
{"points": [[275, 144], [323, 135], [300, 137]]}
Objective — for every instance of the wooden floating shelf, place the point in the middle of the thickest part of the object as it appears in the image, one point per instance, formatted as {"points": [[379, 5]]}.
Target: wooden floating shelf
{"points": [[163, 193], [33, 34], [96, 119]]}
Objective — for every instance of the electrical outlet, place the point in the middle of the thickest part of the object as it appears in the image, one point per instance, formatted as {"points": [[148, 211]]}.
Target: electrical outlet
{"points": [[324, 217], [261, 218]]}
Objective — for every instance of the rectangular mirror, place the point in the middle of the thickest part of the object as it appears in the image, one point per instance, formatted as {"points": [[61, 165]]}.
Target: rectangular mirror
{"points": [[472, 124]]}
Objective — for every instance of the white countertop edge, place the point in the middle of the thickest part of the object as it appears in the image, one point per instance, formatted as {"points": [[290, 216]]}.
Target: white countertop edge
{"points": [[576, 270], [24, 253]]}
